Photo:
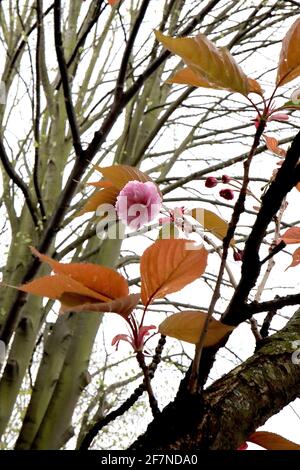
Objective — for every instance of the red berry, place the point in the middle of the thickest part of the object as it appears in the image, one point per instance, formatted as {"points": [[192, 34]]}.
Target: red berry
{"points": [[227, 194], [225, 179], [211, 182]]}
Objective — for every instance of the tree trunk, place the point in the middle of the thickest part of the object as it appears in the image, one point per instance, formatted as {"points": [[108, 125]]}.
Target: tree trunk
{"points": [[235, 405]]}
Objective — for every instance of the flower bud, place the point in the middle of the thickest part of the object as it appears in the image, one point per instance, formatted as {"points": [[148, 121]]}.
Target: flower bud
{"points": [[279, 117], [211, 182], [227, 194], [238, 255], [225, 179]]}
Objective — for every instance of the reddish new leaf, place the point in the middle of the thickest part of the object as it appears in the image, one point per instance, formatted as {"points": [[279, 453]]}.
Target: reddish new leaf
{"points": [[272, 441], [289, 59], [113, 2], [292, 235], [296, 259], [188, 326], [169, 265]]}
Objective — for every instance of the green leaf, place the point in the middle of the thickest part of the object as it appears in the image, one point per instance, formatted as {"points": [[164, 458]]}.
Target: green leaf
{"points": [[291, 105]]}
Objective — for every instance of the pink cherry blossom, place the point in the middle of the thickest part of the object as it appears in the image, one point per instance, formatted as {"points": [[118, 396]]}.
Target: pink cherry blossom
{"points": [[138, 203]]}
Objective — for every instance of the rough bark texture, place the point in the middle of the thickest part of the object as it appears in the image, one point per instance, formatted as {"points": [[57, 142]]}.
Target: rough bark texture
{"points": [[234, 406]]}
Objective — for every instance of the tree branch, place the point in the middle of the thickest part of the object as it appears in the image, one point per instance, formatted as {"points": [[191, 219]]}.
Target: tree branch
{"points": [[21, 46], [65, 80], [128, 49], [235, 405], [277, 303], [287, 177], [138, 392], [83, 33], [38, 110], [13, 175], [79, 168]]}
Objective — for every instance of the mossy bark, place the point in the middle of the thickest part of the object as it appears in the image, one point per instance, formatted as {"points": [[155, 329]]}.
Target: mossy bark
{"points": [[234, 406]]}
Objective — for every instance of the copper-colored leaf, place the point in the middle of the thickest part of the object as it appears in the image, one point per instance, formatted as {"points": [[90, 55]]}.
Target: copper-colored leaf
{"points": [[101, 184], [188, 325], [254, 86], [54, 287], [292, 235], [123, 306], [113, 2], [272, 441], [211, 222], [116, 177], [296, 259], [104, 196], [100, 279], [169, 265], [214, 66], [187, 76], [273, 146], [289, 59], [120, 175]]}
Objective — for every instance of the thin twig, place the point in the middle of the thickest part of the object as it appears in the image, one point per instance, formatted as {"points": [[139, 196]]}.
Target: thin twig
{"points": [[237, 211], [39, 8], [18, 182], [138, 392]]}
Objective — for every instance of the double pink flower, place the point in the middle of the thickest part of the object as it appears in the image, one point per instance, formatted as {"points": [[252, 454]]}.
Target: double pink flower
{"points": [[138, 203]]}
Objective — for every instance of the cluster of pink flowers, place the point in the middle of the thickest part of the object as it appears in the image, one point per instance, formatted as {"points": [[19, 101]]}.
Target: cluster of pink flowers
{"points": [[225, 193]]}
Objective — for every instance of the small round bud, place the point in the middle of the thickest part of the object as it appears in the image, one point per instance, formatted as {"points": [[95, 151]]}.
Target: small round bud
{"points": [[211, 182], [225, 179], [238, 255], [227, 194]]}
